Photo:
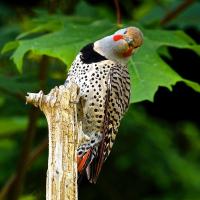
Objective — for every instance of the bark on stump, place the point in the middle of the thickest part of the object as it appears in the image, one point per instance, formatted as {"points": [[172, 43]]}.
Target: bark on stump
{"points": [[59, 107]]}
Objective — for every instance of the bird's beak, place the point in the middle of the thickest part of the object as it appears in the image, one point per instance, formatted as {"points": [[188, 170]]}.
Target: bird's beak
{"points": [[129, 41]]}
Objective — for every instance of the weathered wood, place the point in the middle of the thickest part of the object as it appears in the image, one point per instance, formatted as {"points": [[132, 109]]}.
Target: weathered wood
{"points": [[59, 107]]}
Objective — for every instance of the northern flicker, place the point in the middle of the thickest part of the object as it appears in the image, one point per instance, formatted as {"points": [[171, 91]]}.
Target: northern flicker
{"points": [[100, 70]]}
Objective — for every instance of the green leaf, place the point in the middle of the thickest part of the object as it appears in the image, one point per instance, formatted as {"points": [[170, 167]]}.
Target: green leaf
{"points": [[45, 23], [148, 71], [193, 85], [7, 33], [63, 44], [10, 46]]}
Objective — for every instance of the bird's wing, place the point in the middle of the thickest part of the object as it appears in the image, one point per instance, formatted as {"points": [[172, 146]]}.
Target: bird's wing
{"points": [[116, 102]]}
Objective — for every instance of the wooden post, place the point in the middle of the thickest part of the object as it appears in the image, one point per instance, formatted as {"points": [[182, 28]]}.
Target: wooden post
{"points": [[59, 107]]}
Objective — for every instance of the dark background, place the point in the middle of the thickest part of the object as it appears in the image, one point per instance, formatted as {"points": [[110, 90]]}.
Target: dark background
{"points": [[156, 154]]}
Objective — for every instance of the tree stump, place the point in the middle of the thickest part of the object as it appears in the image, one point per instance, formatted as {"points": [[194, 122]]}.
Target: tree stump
{"points": [[65, 133]]}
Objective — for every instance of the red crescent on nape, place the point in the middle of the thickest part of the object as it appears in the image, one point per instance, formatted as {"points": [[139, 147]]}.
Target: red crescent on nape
{"points": [[117, 37]]}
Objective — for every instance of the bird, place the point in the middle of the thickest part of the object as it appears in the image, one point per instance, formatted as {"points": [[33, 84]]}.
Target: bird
{"points": [[100, 70]]}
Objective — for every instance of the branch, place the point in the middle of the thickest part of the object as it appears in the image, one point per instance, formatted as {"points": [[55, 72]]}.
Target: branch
{"points": [[16, 186], [52, 6], [174, 13], [13, 94], [12, 188], [6, 188], [68, 6], [64, 138], [37, 152], [33, 156]]}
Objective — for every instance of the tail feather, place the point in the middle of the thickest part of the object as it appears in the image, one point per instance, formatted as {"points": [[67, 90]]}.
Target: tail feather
{"points": [[84, 160], [88, 164]]}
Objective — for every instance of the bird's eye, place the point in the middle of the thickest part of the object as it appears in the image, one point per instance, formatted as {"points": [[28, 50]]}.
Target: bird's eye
{"points": [[125, 31]]}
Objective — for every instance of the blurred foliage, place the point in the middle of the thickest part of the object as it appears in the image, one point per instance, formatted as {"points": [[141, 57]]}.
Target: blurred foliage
{"points": [[156, 155]]}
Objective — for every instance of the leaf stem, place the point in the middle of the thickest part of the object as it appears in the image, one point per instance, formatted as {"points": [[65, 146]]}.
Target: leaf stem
{"points": [[19, 96]]}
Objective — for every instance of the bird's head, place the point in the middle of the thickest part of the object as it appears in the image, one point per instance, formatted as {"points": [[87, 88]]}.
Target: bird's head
{"points": [[121, 45]]}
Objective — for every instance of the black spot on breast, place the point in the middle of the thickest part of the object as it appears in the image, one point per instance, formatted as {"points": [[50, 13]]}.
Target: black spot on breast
{"points": [[90, 56]]}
